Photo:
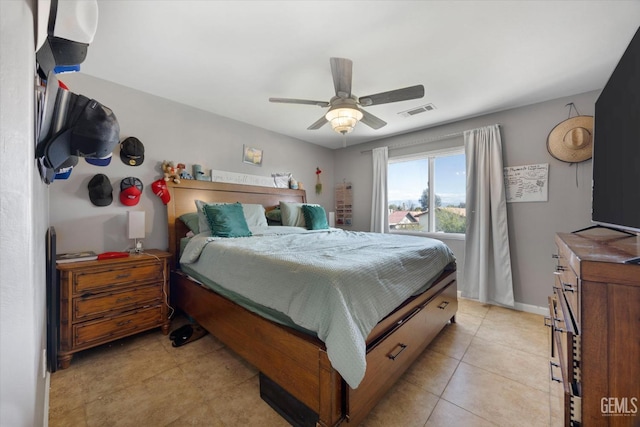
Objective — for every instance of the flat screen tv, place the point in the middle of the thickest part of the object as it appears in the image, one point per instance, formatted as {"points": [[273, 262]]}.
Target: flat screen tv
{"points": [[616, 146]]}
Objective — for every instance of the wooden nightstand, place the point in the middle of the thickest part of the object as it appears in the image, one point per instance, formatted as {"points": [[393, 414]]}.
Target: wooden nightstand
{"points": [[101, 301]]}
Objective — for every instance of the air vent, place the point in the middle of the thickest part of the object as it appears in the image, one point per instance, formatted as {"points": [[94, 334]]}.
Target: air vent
{"points": [[417, 110]]}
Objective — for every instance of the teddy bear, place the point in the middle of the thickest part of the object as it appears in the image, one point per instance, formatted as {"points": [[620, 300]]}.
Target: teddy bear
{"points": [[172, 172]]}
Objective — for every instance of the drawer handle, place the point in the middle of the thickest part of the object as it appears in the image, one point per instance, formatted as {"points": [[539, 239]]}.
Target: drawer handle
{"points": [[551, 323], [561, 268], [551, 366], [124, 299], [443, 305], [125, 322], [123, 276], [394, 356], [556, 256], [568, 287]]}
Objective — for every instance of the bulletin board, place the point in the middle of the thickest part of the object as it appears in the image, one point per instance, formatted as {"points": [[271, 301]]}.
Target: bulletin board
{"points": [[528, 183]]}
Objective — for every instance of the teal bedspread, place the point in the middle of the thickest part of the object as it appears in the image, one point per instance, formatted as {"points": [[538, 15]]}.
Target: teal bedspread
{"points": [[338, 284]]}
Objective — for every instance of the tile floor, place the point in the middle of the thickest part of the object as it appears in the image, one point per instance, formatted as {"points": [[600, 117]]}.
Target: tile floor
{"points": [[490, 368]]}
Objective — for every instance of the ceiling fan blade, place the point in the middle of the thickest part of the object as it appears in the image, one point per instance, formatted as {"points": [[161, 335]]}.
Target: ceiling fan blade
{"points": [[299, 101], [318, 124], [412, 92], [341, 70], [371, 120]]}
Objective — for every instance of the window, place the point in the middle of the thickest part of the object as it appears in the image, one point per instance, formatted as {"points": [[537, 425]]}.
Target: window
{"points": [[428, 183]]}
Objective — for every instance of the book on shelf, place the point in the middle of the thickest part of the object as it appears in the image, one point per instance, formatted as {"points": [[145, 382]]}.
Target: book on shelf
{"points": [[76, 257]]}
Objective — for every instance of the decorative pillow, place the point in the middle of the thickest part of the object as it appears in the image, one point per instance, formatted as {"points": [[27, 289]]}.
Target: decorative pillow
{"points": [[191, 220], [274, 215], [292, 214], [203, 222], [227, 220], [253, 214], [315, 217]]}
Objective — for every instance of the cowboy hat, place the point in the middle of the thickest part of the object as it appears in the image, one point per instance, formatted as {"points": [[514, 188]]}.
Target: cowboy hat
{"points": [[572, 140]]}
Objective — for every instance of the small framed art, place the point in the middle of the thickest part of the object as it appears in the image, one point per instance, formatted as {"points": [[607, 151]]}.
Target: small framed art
{"points": [[252, 155]]}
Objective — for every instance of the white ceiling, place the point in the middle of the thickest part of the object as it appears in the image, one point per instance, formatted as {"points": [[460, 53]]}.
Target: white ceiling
{"points": [[473, 57]]}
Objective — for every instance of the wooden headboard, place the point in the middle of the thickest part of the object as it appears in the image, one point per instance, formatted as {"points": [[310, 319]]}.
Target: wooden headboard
{"points": [[183, 198]]}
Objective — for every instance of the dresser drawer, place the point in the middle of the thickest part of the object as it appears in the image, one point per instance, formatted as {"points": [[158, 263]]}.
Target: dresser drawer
{"points": [[120, 326], [99, 280], [567, 281], [113, 302]]}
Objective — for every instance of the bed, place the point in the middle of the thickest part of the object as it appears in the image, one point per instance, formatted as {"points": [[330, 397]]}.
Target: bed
{"points": [[297, 377]]}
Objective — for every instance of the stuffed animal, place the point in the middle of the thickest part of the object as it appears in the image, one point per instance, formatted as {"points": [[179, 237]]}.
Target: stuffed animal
{"points": [[171, 172]]}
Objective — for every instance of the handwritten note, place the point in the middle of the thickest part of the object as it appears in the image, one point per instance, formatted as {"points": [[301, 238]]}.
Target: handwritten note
{"points": [[529, 183]]}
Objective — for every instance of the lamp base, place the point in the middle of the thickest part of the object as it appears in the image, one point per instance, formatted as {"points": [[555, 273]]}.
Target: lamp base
{"points": [[137, 247]]}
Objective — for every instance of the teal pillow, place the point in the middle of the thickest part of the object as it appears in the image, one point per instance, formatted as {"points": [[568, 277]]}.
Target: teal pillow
{"points": [[315, 217], [191, 221], [227, 220]]}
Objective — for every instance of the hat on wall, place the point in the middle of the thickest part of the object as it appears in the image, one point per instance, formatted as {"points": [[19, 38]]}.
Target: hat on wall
{"points": [[132, 151], [160, 189], [99, 161], [74, 125], [130, 191], [572, 140], [64, 171], [100, 190]]}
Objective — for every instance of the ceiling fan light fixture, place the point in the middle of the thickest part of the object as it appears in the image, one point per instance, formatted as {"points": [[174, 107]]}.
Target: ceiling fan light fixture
{"points": [[344, 119]]}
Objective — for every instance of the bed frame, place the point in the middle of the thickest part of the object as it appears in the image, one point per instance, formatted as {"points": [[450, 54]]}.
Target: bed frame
{"points": [[296, 378]]}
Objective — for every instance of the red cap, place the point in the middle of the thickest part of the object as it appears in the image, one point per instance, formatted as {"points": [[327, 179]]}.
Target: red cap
{"points": [[160, 189], [130, 191]]}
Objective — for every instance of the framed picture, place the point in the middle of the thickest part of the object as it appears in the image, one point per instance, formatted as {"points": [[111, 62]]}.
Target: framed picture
{"points": [[252, 155]]}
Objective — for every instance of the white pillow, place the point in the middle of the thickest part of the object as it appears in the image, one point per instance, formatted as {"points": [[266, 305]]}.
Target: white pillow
{"points": [[254, 214], [292, 213]]}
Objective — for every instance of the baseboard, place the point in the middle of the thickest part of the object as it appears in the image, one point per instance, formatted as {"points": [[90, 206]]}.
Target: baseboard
{"points": [[528, 308], [47, 386]]}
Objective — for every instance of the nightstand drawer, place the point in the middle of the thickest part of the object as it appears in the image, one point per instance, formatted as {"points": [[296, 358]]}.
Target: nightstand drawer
{"points": [[119, 326], [93, 281], [102, 304]]}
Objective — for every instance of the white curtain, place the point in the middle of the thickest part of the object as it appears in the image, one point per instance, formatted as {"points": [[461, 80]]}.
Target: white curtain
{"points": [[487, 266], [379, 204]]}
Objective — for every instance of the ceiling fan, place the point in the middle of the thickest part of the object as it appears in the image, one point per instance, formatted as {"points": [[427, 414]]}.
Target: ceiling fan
{"points": [[344, 108]]}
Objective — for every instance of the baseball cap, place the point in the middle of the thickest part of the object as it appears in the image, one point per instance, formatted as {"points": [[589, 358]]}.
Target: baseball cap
{"points": [[100, 190], [160, 189], [130, 191], [74, 125], [132, 151], [99, 161], [64, 171]]}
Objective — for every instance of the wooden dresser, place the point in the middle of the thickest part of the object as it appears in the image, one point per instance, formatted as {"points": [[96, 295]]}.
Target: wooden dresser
{"points": [[101, 301], [595, 328]]}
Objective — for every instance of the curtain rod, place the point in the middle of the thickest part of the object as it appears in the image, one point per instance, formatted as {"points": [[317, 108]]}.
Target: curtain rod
{"points": [[421, 141]]}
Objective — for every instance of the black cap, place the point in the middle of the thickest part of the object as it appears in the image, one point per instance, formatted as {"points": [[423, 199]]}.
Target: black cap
{"points": [[100, 190], [132, 151], [88, 129]]}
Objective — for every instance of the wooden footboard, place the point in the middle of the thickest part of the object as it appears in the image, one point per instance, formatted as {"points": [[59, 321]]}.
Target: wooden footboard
{"points": [[298, 363]]}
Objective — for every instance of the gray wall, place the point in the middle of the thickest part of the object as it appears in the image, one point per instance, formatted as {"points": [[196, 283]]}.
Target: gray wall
{"points": [[532, 226], [172, 132], [23, 223]]}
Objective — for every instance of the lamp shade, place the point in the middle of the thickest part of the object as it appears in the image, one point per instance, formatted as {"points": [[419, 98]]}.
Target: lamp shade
{"points": [[136, 225], [343, 119]]}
